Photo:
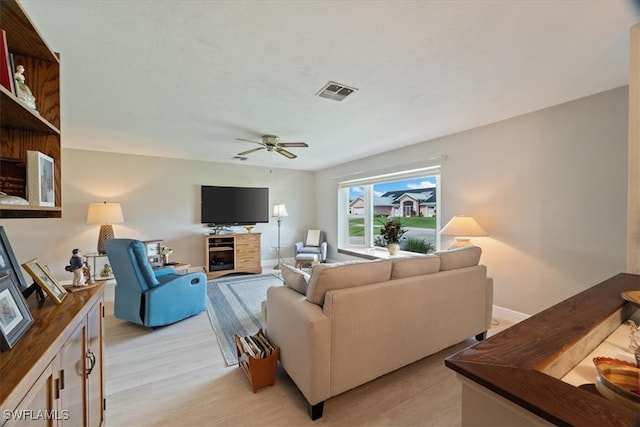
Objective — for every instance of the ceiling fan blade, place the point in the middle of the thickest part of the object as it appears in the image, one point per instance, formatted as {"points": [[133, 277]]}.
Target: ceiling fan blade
{"points": [[248, 140], [293, 144], [286, 153], [253, 150]]}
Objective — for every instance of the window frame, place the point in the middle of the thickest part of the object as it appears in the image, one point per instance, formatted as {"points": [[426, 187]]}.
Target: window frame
{"points": [[367, 183]]}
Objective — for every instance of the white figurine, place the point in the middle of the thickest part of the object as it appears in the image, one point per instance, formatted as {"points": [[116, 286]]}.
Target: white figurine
{"points": [[22, 90]]}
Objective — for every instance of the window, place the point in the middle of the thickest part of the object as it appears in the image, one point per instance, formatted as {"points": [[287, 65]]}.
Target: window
{"points": [[365, 204]]}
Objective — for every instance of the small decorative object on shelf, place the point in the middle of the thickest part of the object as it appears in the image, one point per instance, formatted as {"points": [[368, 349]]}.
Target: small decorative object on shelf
{"points": [[258, 359], [106, 271], [22, 90], [76, 266], [249, 228]]}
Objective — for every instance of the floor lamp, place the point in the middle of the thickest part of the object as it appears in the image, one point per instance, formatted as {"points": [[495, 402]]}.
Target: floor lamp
{"points": [[279, 211]]}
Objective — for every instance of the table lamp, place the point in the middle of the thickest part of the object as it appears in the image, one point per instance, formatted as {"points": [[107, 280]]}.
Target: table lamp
{"points": [[279, 211], [462, 227], [104, 214]]}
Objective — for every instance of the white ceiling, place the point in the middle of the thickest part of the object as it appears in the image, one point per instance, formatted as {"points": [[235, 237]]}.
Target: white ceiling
{"points": [[183, 79]]}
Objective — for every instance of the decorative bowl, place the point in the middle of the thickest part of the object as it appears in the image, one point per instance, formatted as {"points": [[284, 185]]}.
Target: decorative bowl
{"points": [[618, 380], [632, 296]]}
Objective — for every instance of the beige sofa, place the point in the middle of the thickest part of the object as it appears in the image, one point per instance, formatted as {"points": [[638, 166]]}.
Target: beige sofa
{"points": [[356, 321]]}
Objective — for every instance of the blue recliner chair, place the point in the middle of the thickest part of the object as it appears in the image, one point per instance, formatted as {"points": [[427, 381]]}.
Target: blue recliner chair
{"points": [[152, 297]]}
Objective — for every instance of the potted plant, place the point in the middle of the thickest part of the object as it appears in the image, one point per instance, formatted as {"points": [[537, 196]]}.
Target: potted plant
{"points": [[391, 232]]}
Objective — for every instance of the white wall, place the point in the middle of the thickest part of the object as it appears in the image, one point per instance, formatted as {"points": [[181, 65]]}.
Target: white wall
{"points": [[550, 188], [160, 199]]}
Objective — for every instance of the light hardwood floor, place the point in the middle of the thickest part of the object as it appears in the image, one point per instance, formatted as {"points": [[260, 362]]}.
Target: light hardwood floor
{"points": [[176, 376]]}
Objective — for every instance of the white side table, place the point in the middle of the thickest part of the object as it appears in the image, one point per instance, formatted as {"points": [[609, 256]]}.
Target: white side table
{"points": [[96, 262]]}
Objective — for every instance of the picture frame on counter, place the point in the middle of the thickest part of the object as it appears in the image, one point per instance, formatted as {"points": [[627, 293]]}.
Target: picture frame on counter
{"points": [[40, 179], [45, 280], [15, 317], [8, 264]]}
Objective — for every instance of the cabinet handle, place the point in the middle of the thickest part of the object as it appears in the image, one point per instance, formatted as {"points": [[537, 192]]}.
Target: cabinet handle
{"points": [[62, 379], [92, 361]]}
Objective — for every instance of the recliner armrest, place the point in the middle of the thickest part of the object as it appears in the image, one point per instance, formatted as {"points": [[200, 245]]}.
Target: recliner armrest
{"points": [[163, 271]]}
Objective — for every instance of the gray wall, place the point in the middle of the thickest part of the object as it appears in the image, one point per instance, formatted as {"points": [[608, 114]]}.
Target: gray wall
{"points": [[549, 187]]}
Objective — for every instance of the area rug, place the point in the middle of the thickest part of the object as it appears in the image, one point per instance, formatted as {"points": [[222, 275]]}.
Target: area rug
{"points": [[234, 305]]}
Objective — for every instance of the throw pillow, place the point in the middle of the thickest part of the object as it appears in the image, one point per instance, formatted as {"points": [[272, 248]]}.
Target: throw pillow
{"points": [[415, 266], [313, 238], [328, 277], [465, 256], [294, 278]]}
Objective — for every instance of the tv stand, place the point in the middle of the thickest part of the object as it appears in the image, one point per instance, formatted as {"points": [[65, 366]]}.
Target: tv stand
{"points": [[232, 253]]}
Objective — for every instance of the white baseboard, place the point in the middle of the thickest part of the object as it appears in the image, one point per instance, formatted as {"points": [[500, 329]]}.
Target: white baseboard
{"points": [[509, 315]]}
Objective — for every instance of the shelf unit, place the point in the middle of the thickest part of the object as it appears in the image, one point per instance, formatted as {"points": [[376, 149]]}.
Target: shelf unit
{"points": [[22, 129], [232, 253]]}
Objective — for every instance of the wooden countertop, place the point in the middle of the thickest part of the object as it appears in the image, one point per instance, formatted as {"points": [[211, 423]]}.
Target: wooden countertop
{"points": [[512, 362]]}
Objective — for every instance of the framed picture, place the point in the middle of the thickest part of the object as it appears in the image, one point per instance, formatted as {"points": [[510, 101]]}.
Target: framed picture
{"points": [[15, 317], [8, 264], [40, 179], [45, 280]]}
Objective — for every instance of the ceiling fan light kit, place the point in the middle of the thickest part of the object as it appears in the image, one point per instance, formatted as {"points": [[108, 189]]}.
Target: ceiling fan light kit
{"points": [[271, 143]]}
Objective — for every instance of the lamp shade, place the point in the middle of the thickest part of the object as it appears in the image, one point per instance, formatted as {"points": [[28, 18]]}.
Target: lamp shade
{"points": [[280, 211], [105, 213], [461, 225]]}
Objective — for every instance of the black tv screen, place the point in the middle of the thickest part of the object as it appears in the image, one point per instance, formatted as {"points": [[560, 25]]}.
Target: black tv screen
{"points": [[234, 205]]}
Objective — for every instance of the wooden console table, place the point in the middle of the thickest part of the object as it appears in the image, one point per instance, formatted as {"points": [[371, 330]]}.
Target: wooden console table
{"points": [[56, 369], [514, 376]]}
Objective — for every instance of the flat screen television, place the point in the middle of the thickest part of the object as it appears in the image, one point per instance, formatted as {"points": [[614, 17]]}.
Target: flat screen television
{"points": [[234, 205]]}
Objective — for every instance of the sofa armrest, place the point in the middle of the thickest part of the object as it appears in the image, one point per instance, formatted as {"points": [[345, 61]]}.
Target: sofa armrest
{"points": [[303, 333], [298, 246]]}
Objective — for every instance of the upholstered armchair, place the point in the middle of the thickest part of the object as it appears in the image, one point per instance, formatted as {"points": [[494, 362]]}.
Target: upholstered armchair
{"points": [[314, 243], [152, 297]]}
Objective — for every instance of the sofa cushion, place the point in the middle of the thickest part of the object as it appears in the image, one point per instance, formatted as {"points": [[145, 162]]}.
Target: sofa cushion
{"points": [[465, 256], [328, 277], [415, 266], [295, 278]]}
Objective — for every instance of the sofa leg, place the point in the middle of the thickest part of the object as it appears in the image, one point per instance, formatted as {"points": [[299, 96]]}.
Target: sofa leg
{"points": [[315, 411], [481, 336]]}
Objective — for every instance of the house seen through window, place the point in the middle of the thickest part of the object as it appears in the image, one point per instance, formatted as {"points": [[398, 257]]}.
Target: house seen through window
{"points": [[365, 206]]}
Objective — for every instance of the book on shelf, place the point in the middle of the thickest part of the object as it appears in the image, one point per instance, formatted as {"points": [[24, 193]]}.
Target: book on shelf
{"points": [[6, 73]]}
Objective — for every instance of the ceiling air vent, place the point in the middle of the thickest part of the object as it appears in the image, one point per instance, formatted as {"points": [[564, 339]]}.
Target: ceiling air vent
{"points": [[335, 91]]}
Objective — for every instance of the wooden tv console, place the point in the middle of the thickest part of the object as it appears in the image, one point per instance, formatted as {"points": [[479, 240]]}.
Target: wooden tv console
{"points": [[232, 253]]}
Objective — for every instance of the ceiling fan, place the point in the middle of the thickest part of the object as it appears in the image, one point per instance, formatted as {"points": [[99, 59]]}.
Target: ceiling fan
{"points": [[272, 143]]}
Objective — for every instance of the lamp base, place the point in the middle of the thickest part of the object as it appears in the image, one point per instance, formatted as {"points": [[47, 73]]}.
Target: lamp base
{"points": [[106, 233], [461, 242]]}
